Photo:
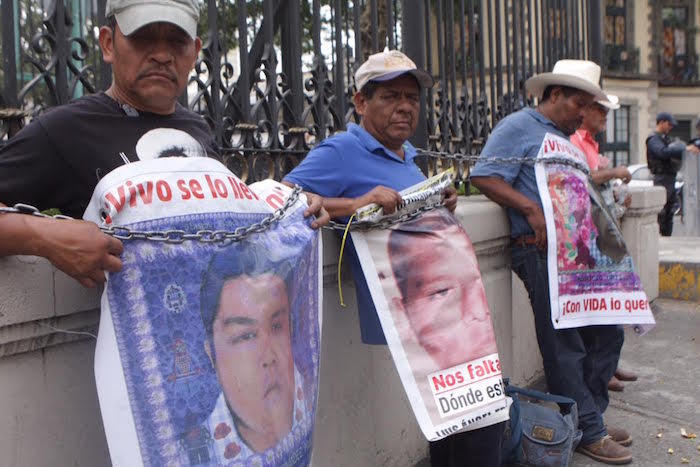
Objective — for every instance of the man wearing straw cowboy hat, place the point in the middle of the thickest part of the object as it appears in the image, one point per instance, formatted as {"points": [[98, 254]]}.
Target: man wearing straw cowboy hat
{"points": [[578, 362]]}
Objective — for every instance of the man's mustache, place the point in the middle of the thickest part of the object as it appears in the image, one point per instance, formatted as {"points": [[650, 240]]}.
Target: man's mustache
{"points": [[158, 72]]}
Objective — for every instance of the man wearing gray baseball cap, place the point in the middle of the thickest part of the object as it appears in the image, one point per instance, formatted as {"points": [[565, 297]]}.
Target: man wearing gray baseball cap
{"points": [[57, 160]]}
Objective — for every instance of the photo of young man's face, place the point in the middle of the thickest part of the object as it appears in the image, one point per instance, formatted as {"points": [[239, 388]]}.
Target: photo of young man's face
{"points": [[253, 357], [442, 298]]}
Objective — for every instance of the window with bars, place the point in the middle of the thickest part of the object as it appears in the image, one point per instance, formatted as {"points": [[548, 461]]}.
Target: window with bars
{"points": [[678, 61], [619, 55], [617, 136]]}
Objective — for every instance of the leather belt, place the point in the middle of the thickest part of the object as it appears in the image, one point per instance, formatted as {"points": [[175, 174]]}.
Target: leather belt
{"points": [[524, 240]]}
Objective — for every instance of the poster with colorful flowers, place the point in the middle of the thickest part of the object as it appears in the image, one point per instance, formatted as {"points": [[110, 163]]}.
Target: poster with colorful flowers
{"points": [[592, 280]]}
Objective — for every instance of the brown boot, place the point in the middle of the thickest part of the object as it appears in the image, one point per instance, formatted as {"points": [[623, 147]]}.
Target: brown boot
{"points": [[607, 451], [624, 375], [619, 435], [615, 385]]}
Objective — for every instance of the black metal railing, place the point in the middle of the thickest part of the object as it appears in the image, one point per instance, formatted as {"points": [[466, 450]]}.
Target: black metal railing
{"points": [[275, 77]]}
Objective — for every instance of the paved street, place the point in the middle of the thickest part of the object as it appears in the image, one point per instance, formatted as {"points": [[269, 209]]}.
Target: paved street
{"points": [[665, 398]]}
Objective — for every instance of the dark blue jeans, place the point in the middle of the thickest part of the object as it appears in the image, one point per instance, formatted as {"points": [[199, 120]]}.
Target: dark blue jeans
{"points": [[668, 181], [579, 362], [477, 448]]}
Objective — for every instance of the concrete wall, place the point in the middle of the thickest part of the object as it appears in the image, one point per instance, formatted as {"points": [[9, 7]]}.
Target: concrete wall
{"points": [[49, 413], [642, 97]]}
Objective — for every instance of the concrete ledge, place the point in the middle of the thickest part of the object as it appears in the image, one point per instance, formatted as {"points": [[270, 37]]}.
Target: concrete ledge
{"points": [[679, 268], [48, 398], [640, 230]]}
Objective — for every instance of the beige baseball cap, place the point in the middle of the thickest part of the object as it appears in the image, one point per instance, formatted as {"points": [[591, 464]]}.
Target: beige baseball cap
{"points": [[134, 14], [385, 66]]}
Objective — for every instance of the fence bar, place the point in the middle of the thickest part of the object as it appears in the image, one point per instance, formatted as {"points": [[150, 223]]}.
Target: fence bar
{"points": [[492, 52], [9, 63], [539, 39], [472, 54], [523, 59], [450, 52], [338, 69], [414, 47], [390, 25], [482, 61], [595, 22], [291, 58], [214, 51], [358, 33], [499, 62], [530, 48], [61, 52], [375, 26], [430, 110], [271, 68], [243, 80]]}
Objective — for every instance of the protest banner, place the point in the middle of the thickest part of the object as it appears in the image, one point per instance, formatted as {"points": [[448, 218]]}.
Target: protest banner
{"points": [[591, 275], [426, 286], [208, 349]]}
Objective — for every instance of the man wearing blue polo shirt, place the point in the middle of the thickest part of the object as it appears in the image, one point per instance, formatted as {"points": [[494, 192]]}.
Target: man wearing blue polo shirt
{"points": [[371, 163], [578, 362]]}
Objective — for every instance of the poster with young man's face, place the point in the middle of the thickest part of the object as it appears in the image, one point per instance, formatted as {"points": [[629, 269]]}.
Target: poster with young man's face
{"points": [[209, 348], [427, 289]]}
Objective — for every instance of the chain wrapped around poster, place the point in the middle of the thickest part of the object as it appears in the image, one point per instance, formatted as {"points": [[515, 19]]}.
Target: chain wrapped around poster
{"points": [[591, 275], [426, 286], [208, 350]]}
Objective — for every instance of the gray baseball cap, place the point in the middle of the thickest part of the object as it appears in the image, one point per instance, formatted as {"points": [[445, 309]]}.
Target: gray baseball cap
{"points": [[134, 14]]}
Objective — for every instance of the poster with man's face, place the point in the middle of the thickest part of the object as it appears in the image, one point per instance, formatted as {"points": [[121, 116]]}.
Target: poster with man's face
{"points": [[209, 349], [426, 286]]}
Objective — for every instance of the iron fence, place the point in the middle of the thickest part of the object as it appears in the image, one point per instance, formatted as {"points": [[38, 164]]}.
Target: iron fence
{"points": [[275, 77]]}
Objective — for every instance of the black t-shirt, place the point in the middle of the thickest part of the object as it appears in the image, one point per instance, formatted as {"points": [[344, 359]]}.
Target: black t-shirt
{"points": [[56, 161]]}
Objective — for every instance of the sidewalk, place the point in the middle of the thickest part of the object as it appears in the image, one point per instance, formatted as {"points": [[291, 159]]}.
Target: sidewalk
{"points": [[666, 397]]}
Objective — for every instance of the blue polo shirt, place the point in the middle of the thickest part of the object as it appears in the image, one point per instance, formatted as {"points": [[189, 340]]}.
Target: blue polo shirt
{"points": [[517, 136], [348, 165]]}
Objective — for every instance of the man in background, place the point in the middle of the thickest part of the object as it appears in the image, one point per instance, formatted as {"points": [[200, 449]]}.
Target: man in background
{"points": [[664, 161], [594, 123]]}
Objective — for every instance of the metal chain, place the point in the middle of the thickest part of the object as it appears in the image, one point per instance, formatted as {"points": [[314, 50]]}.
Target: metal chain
{"points": [[173, 235], [386, 222], [473, 158], [391, 221]]}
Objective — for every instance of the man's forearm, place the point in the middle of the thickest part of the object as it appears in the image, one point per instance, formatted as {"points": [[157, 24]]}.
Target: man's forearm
{"points": [[340, 207], [18, 234], [603, 175], [497, 190]]}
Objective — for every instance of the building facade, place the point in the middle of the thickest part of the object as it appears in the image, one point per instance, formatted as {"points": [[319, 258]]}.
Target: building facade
{"points": [[650, 61]]}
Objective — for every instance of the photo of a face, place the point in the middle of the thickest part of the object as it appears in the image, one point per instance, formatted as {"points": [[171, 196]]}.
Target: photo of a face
{"points": [[248, 304], [253, 357], [441, 297]]}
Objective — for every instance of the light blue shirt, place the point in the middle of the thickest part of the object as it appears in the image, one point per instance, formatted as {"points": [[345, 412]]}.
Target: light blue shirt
{"points": [[517, 136]]}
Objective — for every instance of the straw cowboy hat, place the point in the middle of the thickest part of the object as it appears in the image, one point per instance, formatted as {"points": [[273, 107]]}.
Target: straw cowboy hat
{"points": [[578, 74]]}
